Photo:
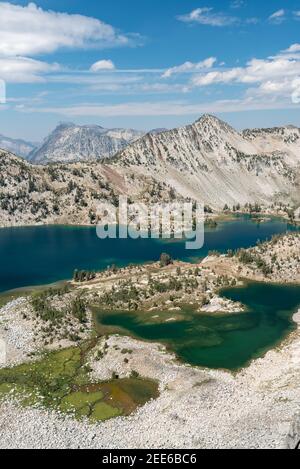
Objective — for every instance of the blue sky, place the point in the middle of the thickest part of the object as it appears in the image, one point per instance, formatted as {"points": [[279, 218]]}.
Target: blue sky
{"points": [[148, 63]]}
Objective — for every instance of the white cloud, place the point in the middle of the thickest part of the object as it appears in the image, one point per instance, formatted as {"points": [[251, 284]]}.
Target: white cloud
{"points": [[24, 70], [102, 65], [218, 77], [293, 48], [275, 78], [30, 30], [165, 108], [236, 4], [207, 16], [190, 67], [256, 71], [274, 87], [91, 79], [2, 92], [278, 17], [293, 52]]}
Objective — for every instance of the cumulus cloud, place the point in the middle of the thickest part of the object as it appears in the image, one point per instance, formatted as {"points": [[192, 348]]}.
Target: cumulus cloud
{"points": [[293, 52], [24, 70], [30, 30], [278, 17], [256, 71], [207, 16], [275, 77], [190, 67], [293, 48], [102, 65]]}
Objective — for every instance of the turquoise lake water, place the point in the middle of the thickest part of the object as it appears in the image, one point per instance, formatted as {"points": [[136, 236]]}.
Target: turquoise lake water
{"points": [[221, 341], [41, 255]]}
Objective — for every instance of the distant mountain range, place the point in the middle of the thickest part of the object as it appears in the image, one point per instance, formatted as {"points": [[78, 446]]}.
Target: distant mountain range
{"points": [[70, 142], [16, 146], [207, 161]]}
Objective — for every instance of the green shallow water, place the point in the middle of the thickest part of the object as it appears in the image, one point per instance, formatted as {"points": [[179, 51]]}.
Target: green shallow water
{"points": [[220, 341], [59, 380], [42, 255]]}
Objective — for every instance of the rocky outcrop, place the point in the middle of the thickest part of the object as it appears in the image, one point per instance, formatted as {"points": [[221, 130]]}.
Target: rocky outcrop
{"points": [[293, 439]]}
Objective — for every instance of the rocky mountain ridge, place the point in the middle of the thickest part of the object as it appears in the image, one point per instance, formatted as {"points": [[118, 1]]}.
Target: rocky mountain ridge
{"points": [[207, 161], [210, 161], [67, 193]]}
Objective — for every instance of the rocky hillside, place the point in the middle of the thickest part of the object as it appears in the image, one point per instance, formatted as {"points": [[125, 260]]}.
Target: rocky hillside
{"points": [[70, 142], [281, 139], [67, 194], [212, 162], [18, 147], [207, 161], [276, 260]]}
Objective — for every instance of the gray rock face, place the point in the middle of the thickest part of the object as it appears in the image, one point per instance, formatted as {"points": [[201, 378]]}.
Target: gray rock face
{"points": [[71, 143], [207, 161], [211, 161], [16, 146], [293, 439]]}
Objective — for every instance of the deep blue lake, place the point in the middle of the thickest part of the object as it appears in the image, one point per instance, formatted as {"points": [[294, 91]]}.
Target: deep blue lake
{"points": [[42, 255], [39, 255]]}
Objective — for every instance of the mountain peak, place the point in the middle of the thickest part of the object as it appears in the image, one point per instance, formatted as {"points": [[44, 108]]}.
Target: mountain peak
{"points": [[209, 118], [64, 125], [211, 121], [70, 142]]}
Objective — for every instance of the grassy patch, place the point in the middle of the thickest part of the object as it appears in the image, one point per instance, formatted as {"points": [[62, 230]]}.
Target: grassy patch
{"points": [[103, 411], [60, 381]]}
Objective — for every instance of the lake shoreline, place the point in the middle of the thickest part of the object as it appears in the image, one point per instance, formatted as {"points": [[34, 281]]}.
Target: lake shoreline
{"points": [[221, 217], [65, 248], [24, 299], [257, 403], [260, 398]]}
